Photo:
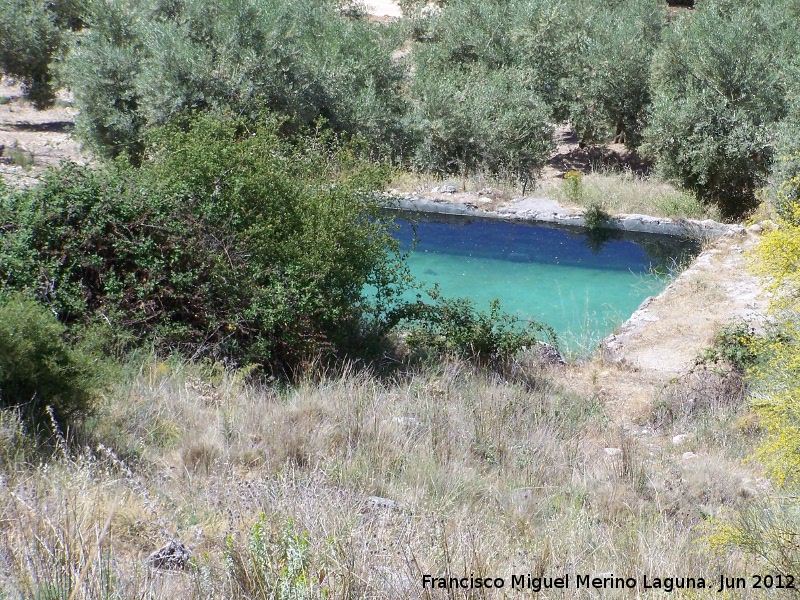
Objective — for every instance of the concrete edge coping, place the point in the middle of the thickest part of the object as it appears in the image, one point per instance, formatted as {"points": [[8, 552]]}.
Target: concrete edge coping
{"points": [[633, 222]]}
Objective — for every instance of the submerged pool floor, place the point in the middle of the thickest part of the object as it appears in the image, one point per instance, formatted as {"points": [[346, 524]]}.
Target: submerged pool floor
{"points": [[581, 284]]}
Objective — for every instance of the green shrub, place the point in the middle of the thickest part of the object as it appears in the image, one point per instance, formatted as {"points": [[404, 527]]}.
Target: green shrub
{"points": [[734, 345], [596, 217], [102, 71], [145, 63], [604, 86], [784, 189], [228, 241], [573, 185], [475, 119], [275, 564], [530, 36], [33, 35], [718, 93], [769, 529], [453, 326], [29, 39], [40, 371], [587, 61]]}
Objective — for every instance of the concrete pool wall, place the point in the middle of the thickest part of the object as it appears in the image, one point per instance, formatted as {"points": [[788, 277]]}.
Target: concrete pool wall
{"points": [[543, 210]]}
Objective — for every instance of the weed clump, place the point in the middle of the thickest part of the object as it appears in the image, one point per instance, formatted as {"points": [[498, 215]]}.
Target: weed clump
{"points": [[735, 345], [274, 564], [596, 217], [573, 186]]}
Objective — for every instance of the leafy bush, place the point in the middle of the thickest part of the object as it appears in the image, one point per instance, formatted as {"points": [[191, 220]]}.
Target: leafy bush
{"points": [[776, 377], [453, 326], [784, 189], [103, 72], [529, 36], [573, 185], [717, 97], [477, 105], [735, 345], [596, 217], [605, 88], [34, 34], [227, 241], [29, 39], [479, 90], [40, 371], [769, 530], [148, 62], [473, 119], [491, 77]]}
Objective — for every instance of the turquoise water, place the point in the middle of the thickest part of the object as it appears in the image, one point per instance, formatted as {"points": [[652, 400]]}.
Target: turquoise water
{"points": [[581, 285]]}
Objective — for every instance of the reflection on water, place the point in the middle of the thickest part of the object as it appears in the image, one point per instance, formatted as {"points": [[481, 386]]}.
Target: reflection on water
{"points": [[581, 283]]}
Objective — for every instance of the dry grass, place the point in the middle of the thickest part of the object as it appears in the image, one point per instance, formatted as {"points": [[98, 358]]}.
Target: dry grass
{"points": [[629, 193], [617, 192], [273, 490], [504, 188]]}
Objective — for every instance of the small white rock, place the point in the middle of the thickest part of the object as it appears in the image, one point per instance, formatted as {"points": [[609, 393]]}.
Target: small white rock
{"points": [[613, 451], [378, 502], [689, 455], [680, 438], [755, 228], [410, 421]]}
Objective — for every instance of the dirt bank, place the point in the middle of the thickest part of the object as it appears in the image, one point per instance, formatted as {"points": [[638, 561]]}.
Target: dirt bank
{"points": [[32, 140]]}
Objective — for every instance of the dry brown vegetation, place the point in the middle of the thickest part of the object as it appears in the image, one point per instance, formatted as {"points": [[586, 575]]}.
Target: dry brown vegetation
{"points": [[449, 471]]}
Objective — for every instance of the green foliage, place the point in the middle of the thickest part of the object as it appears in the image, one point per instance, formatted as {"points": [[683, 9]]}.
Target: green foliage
{"points": [[717, 94], [478, 91], [478, 104], [228, 241], [33, 35], [587, 61], [276, 564], [474, 119], [20, 156], [784, 189], [147, 62], [605, 88], [734, 344], [103, 71], [776, 377], [452, 326], [40, 371], [767, 530], [573, 186], [29, 39], [596, 217]]}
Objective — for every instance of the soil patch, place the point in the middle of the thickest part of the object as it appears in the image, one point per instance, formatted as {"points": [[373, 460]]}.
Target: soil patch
{"points": [[33, 140]]}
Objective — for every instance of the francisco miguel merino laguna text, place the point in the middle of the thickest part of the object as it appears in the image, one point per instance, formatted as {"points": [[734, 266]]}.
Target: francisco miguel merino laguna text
{"points": [[567, 581]]}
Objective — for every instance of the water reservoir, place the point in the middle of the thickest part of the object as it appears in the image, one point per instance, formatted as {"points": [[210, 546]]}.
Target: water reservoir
{"points": [[581, 283]]}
